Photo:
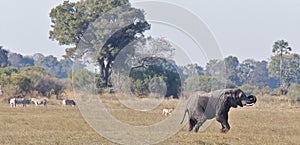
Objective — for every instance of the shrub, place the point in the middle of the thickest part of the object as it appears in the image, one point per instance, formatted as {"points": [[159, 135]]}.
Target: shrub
{"points": [[157, 85], [28, 80], [206, 84], [266, 90], [198, 83], [249, 89], [8, 70], [139, 86], [22, 82], [294, 92], [47, 86], [276, 92], [84, 80]]}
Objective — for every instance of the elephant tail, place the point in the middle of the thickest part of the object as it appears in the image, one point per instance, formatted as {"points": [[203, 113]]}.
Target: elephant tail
{"points": [[186, 110]]}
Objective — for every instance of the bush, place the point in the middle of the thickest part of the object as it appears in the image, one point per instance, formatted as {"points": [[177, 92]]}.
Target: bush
{"points": [[84, 80], [198, 83], [8, 70], [108, 90], [48, 86], [294, 92], [266, 90], [22, 82], [206, 84], [28, 80], [157, 85], [249, 89], [42, 82], [11, 78], [139, 86], [276, 92], [121, 83]]}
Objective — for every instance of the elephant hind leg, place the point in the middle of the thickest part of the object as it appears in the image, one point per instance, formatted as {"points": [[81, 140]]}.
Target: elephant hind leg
{"points": [[192, 123], [199, 123]]}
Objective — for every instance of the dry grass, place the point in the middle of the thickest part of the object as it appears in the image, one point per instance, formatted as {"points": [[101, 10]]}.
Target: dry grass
{"points": [[54, 125], [268, 122]]}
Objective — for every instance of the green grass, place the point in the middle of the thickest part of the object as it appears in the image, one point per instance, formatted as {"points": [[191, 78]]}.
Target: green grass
{"points": [[266, 122]]}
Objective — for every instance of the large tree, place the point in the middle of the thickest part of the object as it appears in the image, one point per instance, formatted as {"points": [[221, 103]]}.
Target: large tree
{"points": [[232, 68], [289, 73], [97, 30], [149, 63], [281, 48]]}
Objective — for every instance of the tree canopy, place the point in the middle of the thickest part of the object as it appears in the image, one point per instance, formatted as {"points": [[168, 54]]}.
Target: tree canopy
{"points": [[281, 48], [290, 70], [18, 60], [71, 19], [97, 29]]}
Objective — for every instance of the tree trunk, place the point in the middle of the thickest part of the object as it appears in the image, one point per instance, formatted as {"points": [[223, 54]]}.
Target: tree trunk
{"points": [[104, 73], [280, 70]]}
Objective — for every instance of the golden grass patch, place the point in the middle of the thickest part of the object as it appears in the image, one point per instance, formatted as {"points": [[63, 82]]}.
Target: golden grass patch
{"points": [[267, 122]]}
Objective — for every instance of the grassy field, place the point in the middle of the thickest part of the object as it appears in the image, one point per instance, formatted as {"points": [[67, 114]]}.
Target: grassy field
{"points": [[270, 121]]}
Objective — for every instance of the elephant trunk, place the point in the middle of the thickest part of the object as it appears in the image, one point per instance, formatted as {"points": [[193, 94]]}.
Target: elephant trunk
{"points": [[251, 100]]}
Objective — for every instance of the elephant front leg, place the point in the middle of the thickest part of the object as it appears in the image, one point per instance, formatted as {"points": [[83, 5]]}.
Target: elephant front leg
{"points": [[225, 127], [223, 119]]}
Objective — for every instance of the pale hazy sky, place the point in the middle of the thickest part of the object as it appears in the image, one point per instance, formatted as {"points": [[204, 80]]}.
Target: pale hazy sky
{"points": [[242, 28]]}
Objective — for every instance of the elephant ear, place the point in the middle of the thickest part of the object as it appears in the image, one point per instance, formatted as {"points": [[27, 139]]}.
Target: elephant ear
{"points": [[232, 102], [228, 98], [231, 97], [239, 94]]}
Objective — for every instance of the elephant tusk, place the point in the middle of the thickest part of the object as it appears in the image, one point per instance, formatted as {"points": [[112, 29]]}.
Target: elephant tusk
{"points": [[250, 104]]}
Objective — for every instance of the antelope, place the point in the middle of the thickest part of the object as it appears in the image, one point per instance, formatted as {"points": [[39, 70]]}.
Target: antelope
{"points": [[167, 111]]}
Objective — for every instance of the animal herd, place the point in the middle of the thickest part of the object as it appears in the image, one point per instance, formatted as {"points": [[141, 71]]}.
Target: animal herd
{"points": [[14, 102]]}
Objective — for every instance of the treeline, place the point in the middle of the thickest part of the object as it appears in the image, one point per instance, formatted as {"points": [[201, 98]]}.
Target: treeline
{"points": [[55, 67], [257, 76], [166, 78], [36, 75], [33, 81], [29, 74]]}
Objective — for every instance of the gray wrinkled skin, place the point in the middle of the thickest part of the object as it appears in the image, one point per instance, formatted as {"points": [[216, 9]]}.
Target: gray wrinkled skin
{"points": [[215, 104]]}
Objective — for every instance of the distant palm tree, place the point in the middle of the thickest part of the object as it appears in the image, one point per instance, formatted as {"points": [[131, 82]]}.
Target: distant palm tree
{"points": [[281, 47]]}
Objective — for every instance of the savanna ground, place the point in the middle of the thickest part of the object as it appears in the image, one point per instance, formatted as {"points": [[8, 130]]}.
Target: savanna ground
{"points": [[273, 120]]}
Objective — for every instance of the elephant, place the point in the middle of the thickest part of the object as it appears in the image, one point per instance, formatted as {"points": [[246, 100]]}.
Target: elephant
{"points": [[215, 104]]}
